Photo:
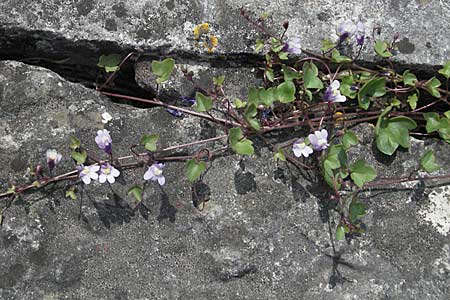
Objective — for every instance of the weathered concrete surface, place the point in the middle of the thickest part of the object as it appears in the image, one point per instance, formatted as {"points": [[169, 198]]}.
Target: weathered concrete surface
{"points": [[263, 234], [47, 27]]}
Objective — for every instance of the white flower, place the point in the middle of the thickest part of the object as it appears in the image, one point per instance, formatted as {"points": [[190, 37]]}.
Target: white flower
{"points": [[332, 94], [319, 140], [154, 173], [301, 149], [53, 158], [106, 117], [87, 173], [108, 172]]}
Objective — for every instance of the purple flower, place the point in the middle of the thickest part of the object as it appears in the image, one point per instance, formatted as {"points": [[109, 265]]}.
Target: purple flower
{"points": [[360, 33], [104, 141], [108, 172], [175, 112], [293, 45], [53, 158], [332, 93], [187, 101], [301, 149], [86, 173], [154, 173], [345, 30], [319, 140]]}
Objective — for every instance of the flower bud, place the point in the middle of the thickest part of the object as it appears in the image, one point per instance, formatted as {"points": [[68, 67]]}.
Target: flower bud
{"points": [[286, 25]]}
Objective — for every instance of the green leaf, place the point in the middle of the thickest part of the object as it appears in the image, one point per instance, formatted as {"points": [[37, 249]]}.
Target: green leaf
{"points": [[136, 191], [70, 193], [340, 233], [432, 86], [409, 78], [310, 79], [238, 103], [259, 45], [74, 143], [290, 73], [109, 62], [249, 115], [346, 87], [202, 102], [371, 89], [412, 100], [447, 114], [149, 141], [428, 162], [277, 47], [445, 71], [266, 97], [163, 69], [327, 45], [286, 92], [269, 75], [283, 55], [433, 121], [349, 139], [79, 157], [238, 143], [253, 95], [336, 57], [279, 155], [381, 48], [362, 173], [357, 211], [394, 132], [218, 80], [254, 124], [194, 169]]}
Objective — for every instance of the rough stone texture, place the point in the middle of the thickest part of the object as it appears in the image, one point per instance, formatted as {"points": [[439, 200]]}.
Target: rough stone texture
{"points": [[45, 27], [263, 233]]}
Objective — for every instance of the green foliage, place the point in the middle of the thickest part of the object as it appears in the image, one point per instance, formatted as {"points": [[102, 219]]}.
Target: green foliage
{"points": [[340, 233], [346, 87], [428, 162], [194, 169], [357, 211], [349, 139], [109, 62], [361, 173], [382, 49], [250, 114], [74, 143], [149, 141], [335, 159], [327, 45], [286, 92], [432, 87], [279, 155], [390, 133], [412, 100], [70, 193], [409, 78], [336, 57], [283, 55], [218, 80], [371, 89], [238, 103], [259, 45], [79, 157], [269, 75], [310, 76], [238, 143], [136, 191], [439, 124], [445, 71], [290, 73], [267, 97], [163, 69], [202, 102]]}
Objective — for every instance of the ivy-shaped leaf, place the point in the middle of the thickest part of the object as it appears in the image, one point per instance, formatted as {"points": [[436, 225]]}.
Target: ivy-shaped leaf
{"points": [[239, 144], [79, 157], [394, 132], [70, 193], [74, 143], [266, 97], [382, 49], [279, 155], [136, 191], [218, 80], [327, 45], [283, 55], [259, 45], [432, 86], [249, 115], [409, 78], [433, 121], [238, 103], [371, 89], [109, 62], [286, 92], [253, 95], [336, 57], [346, 87], [445, 71], [269, 75], [340, 233], [202, 102], [310, 76], [290, 73], [163, 69], [428, 162], [149, 141], [349, 139], [357, 211], [362, 173], [412, 100], [194, 169]]}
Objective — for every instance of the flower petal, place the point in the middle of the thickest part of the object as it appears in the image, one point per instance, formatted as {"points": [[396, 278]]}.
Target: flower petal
{"points": [[111, 179], [102, 178], [161, 180], [86, 179]]}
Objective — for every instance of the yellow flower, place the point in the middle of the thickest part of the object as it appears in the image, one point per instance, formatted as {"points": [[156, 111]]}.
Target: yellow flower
{"points": [[212, 44], [200, 29]]}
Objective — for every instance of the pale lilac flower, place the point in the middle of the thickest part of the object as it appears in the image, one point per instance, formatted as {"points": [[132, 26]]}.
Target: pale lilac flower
{"points": [[108, 172], [293, 45], [332, 93], [154, 173], [53, 158], [360, 33], [345, 30], [104, 141], [319, 140], [188, 101], [86, 173], [106, 117], [301, 149]]}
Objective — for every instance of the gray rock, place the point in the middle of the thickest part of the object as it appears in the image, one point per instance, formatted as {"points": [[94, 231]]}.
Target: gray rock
{"points": [[262, 237]]}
